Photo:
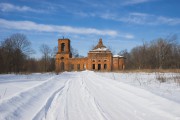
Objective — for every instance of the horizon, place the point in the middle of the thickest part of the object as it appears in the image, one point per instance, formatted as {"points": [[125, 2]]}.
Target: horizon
{"points": [[122, 24]]}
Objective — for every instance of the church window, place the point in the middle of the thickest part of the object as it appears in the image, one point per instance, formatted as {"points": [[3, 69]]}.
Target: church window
{"points": [[63, 47], [78, 66], [93, 66], [72, 67], [105, 66], [84, 66], [99, 66]]}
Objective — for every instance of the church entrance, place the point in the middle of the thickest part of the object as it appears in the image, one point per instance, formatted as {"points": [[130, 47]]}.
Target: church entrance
{"points": [[99, 66], [62, 66]]}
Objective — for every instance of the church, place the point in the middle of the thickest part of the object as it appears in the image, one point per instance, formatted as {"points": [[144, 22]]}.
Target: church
{"points": [[99, 58]]}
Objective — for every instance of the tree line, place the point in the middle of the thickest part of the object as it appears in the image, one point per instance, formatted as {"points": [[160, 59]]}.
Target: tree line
{"points": [[15, 52], [161, 53], [15, 56]]}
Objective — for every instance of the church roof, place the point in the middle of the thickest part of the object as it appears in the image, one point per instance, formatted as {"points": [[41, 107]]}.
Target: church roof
{"points": [[100, 46]]}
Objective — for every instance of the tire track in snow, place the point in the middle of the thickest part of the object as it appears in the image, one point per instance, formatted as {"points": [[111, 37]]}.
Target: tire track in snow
{"points": [[25, 90], [66, 96], [129, 96], [58, 99], [95, 104], [42, 114], [85, 96], [22, 105]]}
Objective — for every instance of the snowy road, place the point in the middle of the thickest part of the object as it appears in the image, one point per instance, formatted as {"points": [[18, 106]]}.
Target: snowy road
{"points": [[86, 96]]}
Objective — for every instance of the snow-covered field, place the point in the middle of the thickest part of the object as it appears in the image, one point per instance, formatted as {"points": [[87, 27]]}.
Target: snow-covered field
{"points": [[169, 89], [89, 96]]}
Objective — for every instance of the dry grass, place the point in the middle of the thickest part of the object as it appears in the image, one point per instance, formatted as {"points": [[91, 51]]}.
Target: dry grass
{"points": [[150, 71], [176, 79], [161, 77], [159, 74]]}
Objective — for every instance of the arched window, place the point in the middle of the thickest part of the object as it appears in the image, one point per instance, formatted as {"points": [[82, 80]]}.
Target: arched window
{"points": [[63, 47], [62, 58]]}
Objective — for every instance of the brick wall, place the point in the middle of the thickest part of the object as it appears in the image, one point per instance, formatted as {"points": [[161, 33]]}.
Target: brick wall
{"points": [[99, 59]]}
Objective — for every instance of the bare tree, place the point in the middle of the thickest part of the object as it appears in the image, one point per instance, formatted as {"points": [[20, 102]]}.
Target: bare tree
{"points": [[14, 51], [161, 53], [46, 52], [55, 50], [128, 61], [74, 52], [20, 42]]}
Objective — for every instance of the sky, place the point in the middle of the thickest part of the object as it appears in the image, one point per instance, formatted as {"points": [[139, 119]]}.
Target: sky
{"points": [[122, 24]]}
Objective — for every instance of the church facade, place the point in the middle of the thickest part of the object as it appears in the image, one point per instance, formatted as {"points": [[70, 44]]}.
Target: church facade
{"points": [[99, 59]]}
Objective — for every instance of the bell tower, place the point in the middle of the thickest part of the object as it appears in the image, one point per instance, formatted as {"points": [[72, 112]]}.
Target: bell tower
{"points": [[63, 55], [64, 48]]}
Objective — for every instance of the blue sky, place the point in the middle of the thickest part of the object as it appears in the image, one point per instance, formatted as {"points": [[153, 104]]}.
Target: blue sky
{"points": [[122, 24]]}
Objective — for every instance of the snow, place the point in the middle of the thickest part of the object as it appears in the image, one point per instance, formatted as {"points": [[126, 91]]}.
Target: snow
{"points": [[13, 84], [148, 81], [117, 56], [101, 49], [82, 96]]}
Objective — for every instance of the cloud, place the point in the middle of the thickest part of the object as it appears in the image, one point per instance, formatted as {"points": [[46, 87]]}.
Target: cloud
{"points": [[133, 2], [32, 26], [142, 19], [7, 7], [127, 36], [170, 21]]}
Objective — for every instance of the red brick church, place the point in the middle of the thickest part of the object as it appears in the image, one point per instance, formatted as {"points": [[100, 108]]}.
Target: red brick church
{"points": [[99, 59]]}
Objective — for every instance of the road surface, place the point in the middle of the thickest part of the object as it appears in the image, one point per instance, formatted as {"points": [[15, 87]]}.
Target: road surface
{"points": [[86, 96]]}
